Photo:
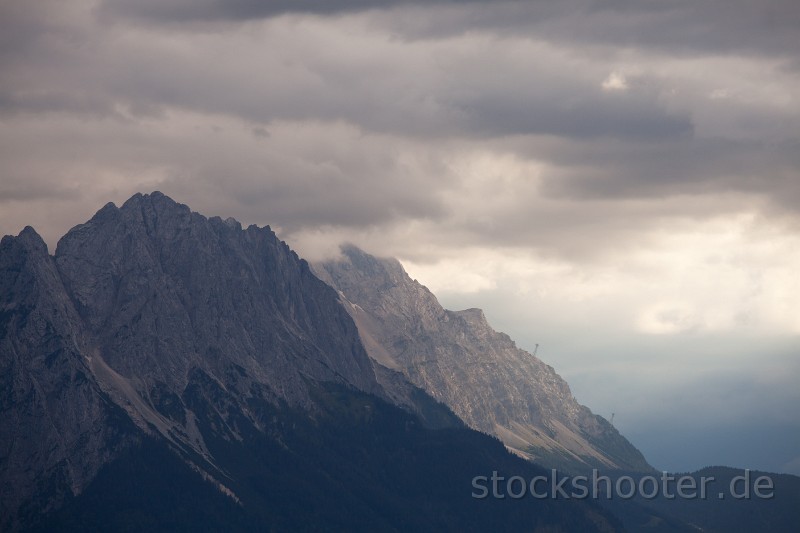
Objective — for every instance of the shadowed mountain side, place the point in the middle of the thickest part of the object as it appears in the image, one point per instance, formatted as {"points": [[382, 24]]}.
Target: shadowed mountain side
{"points": [[730, 504], [360, 464], [480, 374], [57, 426]]}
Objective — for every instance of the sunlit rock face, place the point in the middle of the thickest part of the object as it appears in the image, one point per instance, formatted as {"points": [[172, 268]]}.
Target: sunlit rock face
{"points": [[481, 374]]}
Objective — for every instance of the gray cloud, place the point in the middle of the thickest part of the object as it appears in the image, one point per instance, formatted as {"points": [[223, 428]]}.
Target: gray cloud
{"points": [[238, 10], [677, 25], [110, 94], [681, 167], [445, 97]]}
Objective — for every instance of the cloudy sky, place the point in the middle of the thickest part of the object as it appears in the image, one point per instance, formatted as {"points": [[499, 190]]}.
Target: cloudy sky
{"points": [[616, 181]]}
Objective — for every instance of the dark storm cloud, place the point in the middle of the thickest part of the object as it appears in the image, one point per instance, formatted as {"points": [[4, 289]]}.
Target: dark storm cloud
{"points": [[769, 26], [574, 112], [400, 92], [679, 167], [677, 26], [237, 10]]}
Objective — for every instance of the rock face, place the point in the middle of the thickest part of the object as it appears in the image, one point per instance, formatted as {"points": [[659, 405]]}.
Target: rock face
{"points": [[57, 427], [167, 370], [480, 374], [164, 290]]}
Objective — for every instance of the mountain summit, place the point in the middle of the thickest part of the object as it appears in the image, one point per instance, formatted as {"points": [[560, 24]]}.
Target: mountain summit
{"points": [[165, 291], [481, 374]]}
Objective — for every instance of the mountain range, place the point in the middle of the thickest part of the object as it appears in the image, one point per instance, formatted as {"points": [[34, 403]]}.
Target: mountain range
{"points": [[165, 371]]}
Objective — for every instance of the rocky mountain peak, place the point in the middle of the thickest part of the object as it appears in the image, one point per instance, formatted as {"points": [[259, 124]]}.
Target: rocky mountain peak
{"points": [[31, 240], [164, 289]]}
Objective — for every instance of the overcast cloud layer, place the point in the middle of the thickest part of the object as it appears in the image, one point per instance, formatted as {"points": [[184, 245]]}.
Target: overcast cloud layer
{"points": [[617, 181]]}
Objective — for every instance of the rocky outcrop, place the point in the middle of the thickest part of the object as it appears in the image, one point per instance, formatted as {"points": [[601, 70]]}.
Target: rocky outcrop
{"points": [[481, 374]]}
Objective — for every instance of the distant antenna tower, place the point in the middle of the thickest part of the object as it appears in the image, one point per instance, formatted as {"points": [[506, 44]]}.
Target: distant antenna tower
{"points": [[612, 419], [535, 350]]}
